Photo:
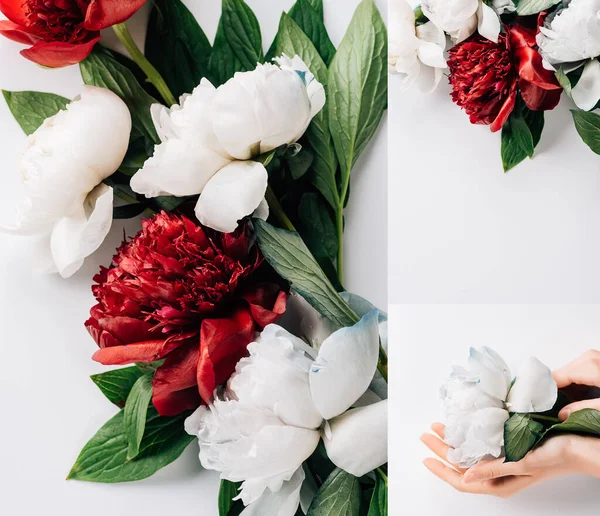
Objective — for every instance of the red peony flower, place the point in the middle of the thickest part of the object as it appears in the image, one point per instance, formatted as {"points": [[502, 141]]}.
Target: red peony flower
{"points": [[62, 32], [486, 76], [182, 293]]}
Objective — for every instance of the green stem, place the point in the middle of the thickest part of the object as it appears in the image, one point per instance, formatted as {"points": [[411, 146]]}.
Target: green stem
{"points": [[136, 54], [277, 210], [339, 215], [383, 476], [540, 417]]}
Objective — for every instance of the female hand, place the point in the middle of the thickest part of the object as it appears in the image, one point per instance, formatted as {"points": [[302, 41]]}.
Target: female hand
{"points": [[584, 370]]}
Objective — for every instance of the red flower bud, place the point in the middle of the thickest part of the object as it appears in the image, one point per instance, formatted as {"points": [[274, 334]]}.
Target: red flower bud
{"points": [[62, 32], [185, 294]]}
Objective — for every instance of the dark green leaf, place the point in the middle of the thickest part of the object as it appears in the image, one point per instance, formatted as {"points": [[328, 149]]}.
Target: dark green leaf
{"points": [[340, 495], [31, 108], [318, 225], [227, 492], [311, 23], [288, 255], [379, 499], [520, 435], [300, 163], [357, 86], [117, 384], [169, 203], [99, 69], [522, 135], [586, 421], [136, 410], [177, 46], [588, 127], [104, 457], [527, 7], [238, 42], [523, 129], [128, 211], [317, 5]]}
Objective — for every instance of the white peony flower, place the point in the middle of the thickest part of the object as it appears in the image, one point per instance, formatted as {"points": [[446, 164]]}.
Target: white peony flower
{"points": [[207, 140], [461, 18], [478, 400], [63, 167], [570, 38], [281, 401], [415, 53]]}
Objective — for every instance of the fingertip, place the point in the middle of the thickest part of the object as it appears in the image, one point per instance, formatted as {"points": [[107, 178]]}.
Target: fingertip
{"points": [[564, 414]]}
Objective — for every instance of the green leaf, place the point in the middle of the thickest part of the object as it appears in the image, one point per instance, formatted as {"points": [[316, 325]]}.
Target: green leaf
{"points": [[564, 81], [379, 499], [311, 23], [357, 87], [340, 495], [128, 211], [527, 7], [317, 5], [585, 421], [288, 255], [522, 130], [99, 69], [177, 46], [300, 163], [521, 433], [104, 457], [238, 42], [291, 40], [227, 492], [117, 384], [318, 225], [31, 108], [136, 410], [588, 127]]}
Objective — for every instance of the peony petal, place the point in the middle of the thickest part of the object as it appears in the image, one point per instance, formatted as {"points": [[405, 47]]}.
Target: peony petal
{"points": [[57, 54], [223, 342], [534, 389], [232, 194], [586, 92], [345, 366], [267, 303], [102, 14], [17, 33], [14, 10], [79, 235], [490, 372], [358, 439], [262, 212], [488, 22], [431, 55], [283, 502]]}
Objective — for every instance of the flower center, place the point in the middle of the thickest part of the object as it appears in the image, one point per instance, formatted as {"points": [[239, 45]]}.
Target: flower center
{"points": [[58, 20]]}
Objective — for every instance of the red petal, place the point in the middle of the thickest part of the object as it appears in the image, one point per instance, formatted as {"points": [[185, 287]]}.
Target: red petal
{"points": [[17, 33], [223, 343], [105, 13], [58, 54], [14, 10], [532, 70], [506, 110], [538, 99], [174, 384], [267, 303], [140, 352]]}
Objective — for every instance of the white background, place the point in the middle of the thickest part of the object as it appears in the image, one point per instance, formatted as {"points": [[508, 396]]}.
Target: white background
{"points": [[462, 231], [429, 340], [50, 408]]}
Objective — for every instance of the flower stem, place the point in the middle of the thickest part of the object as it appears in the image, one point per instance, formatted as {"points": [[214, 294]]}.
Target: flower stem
{"points": [[339, 215], [540, 417], [136, 54], [277, 210]]}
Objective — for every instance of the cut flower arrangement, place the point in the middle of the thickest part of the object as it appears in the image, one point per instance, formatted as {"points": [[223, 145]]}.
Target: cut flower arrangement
{"points": [[227, 308], [507, 61], [489, 414]]}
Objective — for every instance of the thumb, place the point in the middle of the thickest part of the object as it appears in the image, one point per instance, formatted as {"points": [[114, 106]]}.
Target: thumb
{"points": [[492, 469], [584, 370], [579, 405]]}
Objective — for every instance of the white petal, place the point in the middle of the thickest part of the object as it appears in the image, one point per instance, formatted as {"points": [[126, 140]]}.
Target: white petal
{"points": [[193, 423], [431, 55], [431, 33], [262, 212], [586, 92], [534, 389], [491, 372], [345, 366], [358, 439], [283, 502], [233, 193], [80, 234], [488, 22]]}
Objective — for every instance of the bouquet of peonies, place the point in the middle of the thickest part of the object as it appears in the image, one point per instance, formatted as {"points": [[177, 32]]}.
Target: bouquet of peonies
{"points": [[227, 308], [507, 62], [489, 414]]}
